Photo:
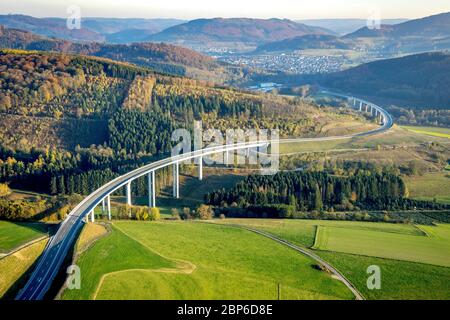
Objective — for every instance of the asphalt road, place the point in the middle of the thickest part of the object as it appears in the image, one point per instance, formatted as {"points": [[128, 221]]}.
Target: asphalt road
{"points": [[56, 250]]}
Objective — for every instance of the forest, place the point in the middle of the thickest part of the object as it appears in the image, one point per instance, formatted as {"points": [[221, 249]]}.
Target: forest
{"points": [[288, 192]]}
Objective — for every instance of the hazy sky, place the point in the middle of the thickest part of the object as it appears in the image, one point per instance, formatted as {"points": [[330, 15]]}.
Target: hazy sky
{"points": [[190, 9]]}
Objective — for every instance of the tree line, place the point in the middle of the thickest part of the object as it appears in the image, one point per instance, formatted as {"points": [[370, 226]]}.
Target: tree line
{"points": [[308, 191]]}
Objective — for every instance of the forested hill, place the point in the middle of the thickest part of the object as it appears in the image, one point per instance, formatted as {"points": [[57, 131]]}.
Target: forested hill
{"points": [[429, 27], [423, 79], [157, 56], [71, 123], [116, 30], [243, 30]]}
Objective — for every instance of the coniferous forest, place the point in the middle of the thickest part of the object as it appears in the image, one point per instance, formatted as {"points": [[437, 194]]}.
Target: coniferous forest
{"points": [[289, 192]]}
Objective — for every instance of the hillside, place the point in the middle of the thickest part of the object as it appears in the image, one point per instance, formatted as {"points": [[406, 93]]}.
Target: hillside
{"points": [[160, 57], [305, 42], [432, 26], [414, 36], [255, 31], [123, 115], [422, 78], [50, 27], [345, 26], [115, 30]]}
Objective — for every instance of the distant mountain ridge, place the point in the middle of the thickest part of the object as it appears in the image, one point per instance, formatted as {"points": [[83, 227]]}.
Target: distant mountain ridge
{"points": [[345, 26], [158, 56], [235, 30], [50, 27], [432, 26], [92, 29]]}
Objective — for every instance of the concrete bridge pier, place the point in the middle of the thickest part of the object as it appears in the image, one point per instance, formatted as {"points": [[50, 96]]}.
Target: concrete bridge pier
{"points": [[226, 158], [151, 190], [92, 215], [200, 168], [128, 190], [108, 206], [360, 105], [176, 180]]}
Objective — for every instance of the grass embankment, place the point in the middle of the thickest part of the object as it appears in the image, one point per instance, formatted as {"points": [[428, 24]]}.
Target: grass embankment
{"points": [[91, 232], [15, 234], [183, 260], [15, 265], [400, 279]]}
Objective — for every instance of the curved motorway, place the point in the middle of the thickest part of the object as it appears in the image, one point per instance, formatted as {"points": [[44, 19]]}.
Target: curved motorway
{"points": [[58, 246]]}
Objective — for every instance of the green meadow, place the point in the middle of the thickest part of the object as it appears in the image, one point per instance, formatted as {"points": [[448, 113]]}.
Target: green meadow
{"points": [[14, 234], [413, 259], [430, 186], [433, 248], [191, 260]]}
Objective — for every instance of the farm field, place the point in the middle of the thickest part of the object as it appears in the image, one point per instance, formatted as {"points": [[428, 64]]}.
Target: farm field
{"points": [[14, 234], [322, 146], [433, 248], [402, 279], [396, 136], [431, 131], [184, 260], [430, 186]]}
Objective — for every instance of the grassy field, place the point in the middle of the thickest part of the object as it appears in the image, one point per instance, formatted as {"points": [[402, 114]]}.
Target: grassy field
{"points": [[433, 249], [430, 186], [400, 279], [321, 146], [184, 260], [13, 234], [431, 131], [395, 137], [13, 266]]}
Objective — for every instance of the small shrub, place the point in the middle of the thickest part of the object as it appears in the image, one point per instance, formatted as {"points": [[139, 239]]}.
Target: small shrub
{"points": [[155, 214], [205, 212], [175, 214]]}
